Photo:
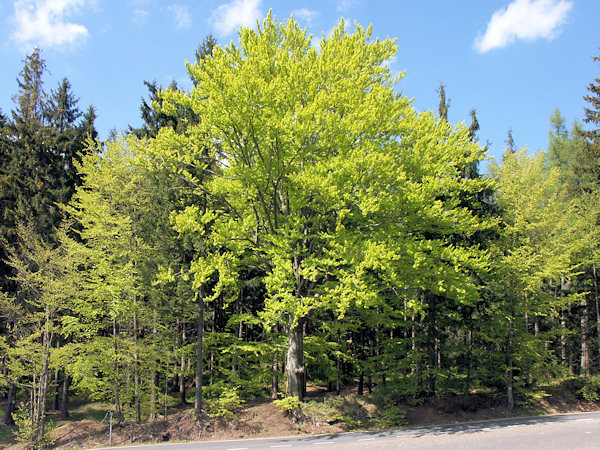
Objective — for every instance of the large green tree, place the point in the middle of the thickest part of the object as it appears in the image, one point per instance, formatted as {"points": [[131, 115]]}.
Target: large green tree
{"points": [[544, 233], [325, 174]]}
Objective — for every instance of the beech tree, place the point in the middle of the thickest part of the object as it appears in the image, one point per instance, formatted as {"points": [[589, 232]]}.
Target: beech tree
{"points": [[325, 174], [544, 235]]}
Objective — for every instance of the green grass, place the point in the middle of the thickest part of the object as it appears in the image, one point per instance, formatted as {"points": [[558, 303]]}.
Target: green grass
{"points": [[82, 411], [6, 436]]}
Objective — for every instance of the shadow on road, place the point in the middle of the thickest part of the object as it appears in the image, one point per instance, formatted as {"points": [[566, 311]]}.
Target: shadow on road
{"points": [[440, 430]]}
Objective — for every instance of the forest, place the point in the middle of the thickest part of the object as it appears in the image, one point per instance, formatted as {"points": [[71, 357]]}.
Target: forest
{"points": [[290, 220]]}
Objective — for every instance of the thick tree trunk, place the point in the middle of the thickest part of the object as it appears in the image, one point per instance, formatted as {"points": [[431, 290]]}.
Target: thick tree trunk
{"points": [[199, 355], [295, 360], [10, 405]]}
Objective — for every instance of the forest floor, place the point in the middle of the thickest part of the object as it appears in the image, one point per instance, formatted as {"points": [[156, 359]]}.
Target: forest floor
{"points": [[323, 412]]}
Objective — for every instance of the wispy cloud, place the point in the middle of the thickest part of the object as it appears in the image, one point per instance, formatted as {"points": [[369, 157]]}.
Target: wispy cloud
{"points": [[140, 16], [345, 5], [46, 23], [524, 19], [230, 16], [181, 16], [305, 14]]}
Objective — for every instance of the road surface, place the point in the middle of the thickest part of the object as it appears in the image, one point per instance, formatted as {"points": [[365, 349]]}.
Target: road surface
{"points": [[562, 431]]}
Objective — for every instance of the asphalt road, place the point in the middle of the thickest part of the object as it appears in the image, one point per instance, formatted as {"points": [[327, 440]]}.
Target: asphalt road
{"points": [[562, 431]]}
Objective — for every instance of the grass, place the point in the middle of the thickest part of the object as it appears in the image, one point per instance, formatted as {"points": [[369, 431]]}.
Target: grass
{"points": [[83, 411], [6, 436]]}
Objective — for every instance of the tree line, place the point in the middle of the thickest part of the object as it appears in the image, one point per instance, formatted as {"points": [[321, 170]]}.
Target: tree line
{"points": [[290, 219]]}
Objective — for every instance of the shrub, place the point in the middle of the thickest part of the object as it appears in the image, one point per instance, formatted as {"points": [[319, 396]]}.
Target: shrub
{"points": [[28, 432], [291, 407], [590, 390], [225, 404]]}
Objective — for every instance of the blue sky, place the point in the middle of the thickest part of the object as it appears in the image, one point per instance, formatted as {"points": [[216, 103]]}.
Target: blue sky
{"points": [[515, 61]]}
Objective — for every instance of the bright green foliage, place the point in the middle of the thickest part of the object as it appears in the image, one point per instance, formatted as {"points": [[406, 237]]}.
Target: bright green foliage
{"points": [[27, 434], [290, 210], [544, 234], [125, 238], [329, 177], [291, 407], [225, 404], [47, 280]]}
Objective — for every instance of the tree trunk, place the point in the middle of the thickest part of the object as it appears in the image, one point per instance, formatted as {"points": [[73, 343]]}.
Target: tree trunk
{"points": [[585, 352], [563, 337], [275, 376], [117, 377], [211, 363], [182, 401], [43, 383], [64, 401], [338, 365], [467, 390], [361, 376], [597, 310], [199, 356], [56, 399], [361, 383], [416, 369], [153, 374], [431, 336], [510, 400], [136, 371], [295, 360], [10, 405]]}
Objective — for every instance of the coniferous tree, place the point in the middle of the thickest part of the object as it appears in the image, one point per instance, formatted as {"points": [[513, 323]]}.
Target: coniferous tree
{"points": [[152, 117], [510, 142], [205, 49], [588, 158], [444, 103], [37, 171]]}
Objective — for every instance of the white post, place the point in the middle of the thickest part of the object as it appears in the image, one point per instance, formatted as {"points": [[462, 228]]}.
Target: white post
{"points": [[110, 430]]}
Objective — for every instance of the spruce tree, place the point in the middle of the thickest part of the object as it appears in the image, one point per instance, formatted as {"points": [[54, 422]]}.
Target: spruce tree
{"points": [[588, 157], [444, 104]]}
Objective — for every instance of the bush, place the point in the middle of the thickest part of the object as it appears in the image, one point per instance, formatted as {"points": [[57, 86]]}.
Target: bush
{"points": [[590, 390], [393, 417], [225, 404], [29, 433], [291, 407]]}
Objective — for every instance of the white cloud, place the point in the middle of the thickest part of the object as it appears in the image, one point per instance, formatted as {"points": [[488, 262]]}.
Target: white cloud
{"points": [[305, 14], [181, 16], [45, 23], [230, 16], [345, 5], [524, 19]]}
